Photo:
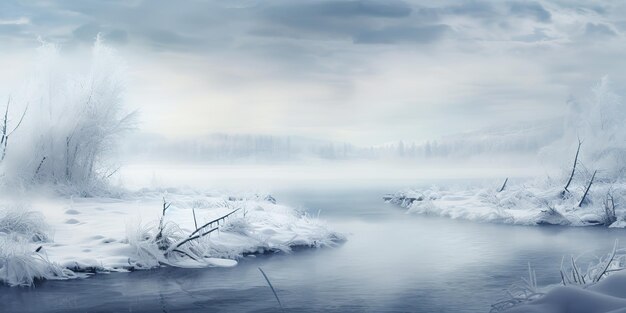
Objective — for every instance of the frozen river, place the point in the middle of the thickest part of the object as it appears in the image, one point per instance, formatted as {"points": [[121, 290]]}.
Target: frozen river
{"points": [[392, 262]]}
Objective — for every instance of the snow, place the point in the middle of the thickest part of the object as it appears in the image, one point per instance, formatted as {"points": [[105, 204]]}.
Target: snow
{"points": [[534, 202], [109, 234], [609, 295]]}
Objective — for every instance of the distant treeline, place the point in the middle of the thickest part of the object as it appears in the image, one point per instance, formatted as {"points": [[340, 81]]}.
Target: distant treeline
{"points": [[520, 139]]}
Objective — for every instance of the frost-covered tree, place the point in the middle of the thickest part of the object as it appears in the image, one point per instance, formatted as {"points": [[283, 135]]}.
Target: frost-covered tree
{"points": [[73, 123], [599, 122]]}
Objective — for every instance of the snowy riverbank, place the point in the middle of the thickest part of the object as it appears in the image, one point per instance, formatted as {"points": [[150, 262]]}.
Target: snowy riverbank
{"points": [[87, 235], [606, 296], [536, 202]]}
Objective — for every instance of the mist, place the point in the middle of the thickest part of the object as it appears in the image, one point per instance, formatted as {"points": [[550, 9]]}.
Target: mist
{"points": [[312, 156]]}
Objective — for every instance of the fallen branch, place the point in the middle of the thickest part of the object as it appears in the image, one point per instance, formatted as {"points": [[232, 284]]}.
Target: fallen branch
{"points": [[188, 239], [165, 244], [213, 221], [185, 253]]}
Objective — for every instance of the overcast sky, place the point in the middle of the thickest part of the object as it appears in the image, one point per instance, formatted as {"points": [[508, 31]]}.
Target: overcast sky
{"points": [[368, 72]]}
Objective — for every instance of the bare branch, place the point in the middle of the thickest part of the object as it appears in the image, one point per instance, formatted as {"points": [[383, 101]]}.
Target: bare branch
{"points": [[39, 166], [4, 124], [571, 176], [587, 190], [195, 223], [20, 122], [503, 185], [188, 239], [213, 221], [273, 290], [608, 263], [113, 172]]}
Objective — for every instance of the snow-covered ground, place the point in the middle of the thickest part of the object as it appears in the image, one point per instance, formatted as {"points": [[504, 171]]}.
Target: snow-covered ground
{"points": [[607, 296], [532, 202], [79, 235]]}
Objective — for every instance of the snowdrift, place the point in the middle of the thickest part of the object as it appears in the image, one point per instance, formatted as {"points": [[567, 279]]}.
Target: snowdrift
{"points": [[91, 235], [538, 202], [607, 296]]}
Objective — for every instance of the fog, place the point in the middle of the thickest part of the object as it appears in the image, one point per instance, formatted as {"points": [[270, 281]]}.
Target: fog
{"points": [[370, 155]]}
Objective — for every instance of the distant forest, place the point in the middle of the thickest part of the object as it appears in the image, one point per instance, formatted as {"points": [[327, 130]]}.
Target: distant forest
{"points": [[517, 139]]}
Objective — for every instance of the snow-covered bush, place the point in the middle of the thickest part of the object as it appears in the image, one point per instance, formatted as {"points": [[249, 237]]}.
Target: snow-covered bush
{"points": [[598, 122], [141, 238], [21, 259], [224, 233], [72, 122], [21, 264], [18, 220]]}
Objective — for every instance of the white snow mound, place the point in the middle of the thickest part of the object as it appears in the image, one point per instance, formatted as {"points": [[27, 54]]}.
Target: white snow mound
{"points": [[538, 202], [90, 235], [607, 296]]}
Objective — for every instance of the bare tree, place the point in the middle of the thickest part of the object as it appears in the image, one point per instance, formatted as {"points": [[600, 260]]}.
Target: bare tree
{"points": [[4, 128]]}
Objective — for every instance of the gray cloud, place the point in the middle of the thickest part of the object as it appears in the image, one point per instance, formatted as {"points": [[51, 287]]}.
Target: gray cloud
{"points": [[473, 9], [601, 30], [292, 11], [425, 34], [538, 34], [530, 9], [339, 50], [198, 26], [331, 19]]}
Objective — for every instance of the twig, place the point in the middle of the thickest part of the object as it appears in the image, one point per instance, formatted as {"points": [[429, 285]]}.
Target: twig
{"points": [[39, 166], [18, 123], [195, 223], [213, 221], [578, 278], [113, 172], [606, 267], [184, 241], [273, 290], [571, 176], [185, 253], [159, 235], [165, 206], [503, 185], [4, 124], [587, 190]]}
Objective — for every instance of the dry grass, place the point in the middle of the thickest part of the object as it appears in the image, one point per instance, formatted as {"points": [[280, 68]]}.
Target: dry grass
{"points": [[18, 220]]}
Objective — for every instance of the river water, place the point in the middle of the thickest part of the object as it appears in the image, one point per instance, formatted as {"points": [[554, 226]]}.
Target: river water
{"points": [[391, 262]]}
